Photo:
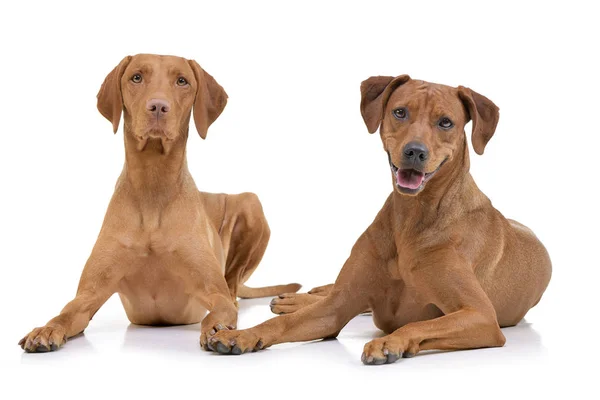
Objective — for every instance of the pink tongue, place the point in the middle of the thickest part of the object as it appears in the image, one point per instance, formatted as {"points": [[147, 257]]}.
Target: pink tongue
{"points": [[409, 178]]}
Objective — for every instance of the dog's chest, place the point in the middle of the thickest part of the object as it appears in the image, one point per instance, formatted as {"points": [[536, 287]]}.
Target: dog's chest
{"points": [[148, 244], [154, 260], [406, 258], [171, 246], [398, 304]]}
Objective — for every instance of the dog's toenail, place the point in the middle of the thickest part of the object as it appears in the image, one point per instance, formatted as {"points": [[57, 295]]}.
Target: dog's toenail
{"points": [[42, 349], [221, 348], [392, 358], [236, 350]]}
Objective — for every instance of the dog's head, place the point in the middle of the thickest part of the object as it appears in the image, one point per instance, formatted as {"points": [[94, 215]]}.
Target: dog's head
{"points": [[157, 93], [422, 125]]}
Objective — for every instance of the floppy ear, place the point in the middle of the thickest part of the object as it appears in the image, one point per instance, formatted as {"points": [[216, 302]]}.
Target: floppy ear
{"points": [[110, 101], [485, 115], [375, 93], [210, 99]]}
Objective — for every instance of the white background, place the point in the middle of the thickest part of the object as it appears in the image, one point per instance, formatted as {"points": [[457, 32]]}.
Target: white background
{"points": [[292, 133]]}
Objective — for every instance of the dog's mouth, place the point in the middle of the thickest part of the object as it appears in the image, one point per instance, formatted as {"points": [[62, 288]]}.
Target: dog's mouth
{"points": [[157, 133], [153, 135], [409, 178], [156, 128], [412, 181]]}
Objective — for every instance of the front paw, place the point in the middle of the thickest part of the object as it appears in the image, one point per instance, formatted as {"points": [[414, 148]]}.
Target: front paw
{"points": [[44, 339], [209, 332], [235, 342], [386, 350]]}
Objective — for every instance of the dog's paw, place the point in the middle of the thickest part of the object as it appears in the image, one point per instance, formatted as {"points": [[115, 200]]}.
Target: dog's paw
{"points": [[209, 332], [386, 350], [44, 339], [290, 302], [321, 290], [235, 342]]}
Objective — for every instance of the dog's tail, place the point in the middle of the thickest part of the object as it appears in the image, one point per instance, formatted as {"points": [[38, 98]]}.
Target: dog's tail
{"points": [[246, 292]]}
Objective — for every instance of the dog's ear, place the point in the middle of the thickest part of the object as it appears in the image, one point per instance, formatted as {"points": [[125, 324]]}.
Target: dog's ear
{"points": [[484, 114], [375, 93], [210, 99], [110, 100]]}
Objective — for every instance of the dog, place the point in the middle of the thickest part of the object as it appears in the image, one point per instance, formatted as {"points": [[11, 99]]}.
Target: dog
{"points": [[170, 251], [439, 267]]}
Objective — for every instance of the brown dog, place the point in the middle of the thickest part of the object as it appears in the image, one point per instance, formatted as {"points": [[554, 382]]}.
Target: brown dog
{"points": [[440, 267], [170, 251]]}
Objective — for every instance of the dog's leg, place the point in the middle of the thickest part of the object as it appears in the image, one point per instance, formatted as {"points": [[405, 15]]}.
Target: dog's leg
{"points": [[247, 233], [322, 319], [249, 236], [469, 321], [98, 282], [288, 303], [199, 268], [222, 315]]}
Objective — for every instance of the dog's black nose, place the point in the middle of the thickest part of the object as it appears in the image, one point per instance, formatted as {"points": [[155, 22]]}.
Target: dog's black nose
{"points": [[158, 106], [415, 152]]}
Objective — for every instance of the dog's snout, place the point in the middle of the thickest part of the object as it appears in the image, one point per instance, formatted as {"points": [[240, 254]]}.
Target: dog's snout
{"points": [[415, 152], [158, 106]]}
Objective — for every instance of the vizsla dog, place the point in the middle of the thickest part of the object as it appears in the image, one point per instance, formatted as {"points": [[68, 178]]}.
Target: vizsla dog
{"points": [[439, 267], [170, 251]]}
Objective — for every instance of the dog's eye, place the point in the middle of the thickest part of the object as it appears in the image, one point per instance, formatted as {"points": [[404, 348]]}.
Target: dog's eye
{"points": [[181, 81], [137, 78], [445, 123], [400, 113]]}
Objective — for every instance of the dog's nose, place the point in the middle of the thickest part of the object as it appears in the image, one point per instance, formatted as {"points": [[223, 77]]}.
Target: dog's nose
{"points": [[158, 106], [416, 152]]}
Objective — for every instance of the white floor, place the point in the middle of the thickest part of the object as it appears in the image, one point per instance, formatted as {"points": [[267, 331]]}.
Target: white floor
{"points": [[116, 358]]}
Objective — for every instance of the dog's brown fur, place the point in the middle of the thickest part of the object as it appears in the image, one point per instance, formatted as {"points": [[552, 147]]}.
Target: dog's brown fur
{"points": [[170, 251], [439, 267]]}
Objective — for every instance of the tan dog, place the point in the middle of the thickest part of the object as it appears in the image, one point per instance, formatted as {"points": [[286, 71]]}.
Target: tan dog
{"points": [[440, 267], [170, 251]]}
